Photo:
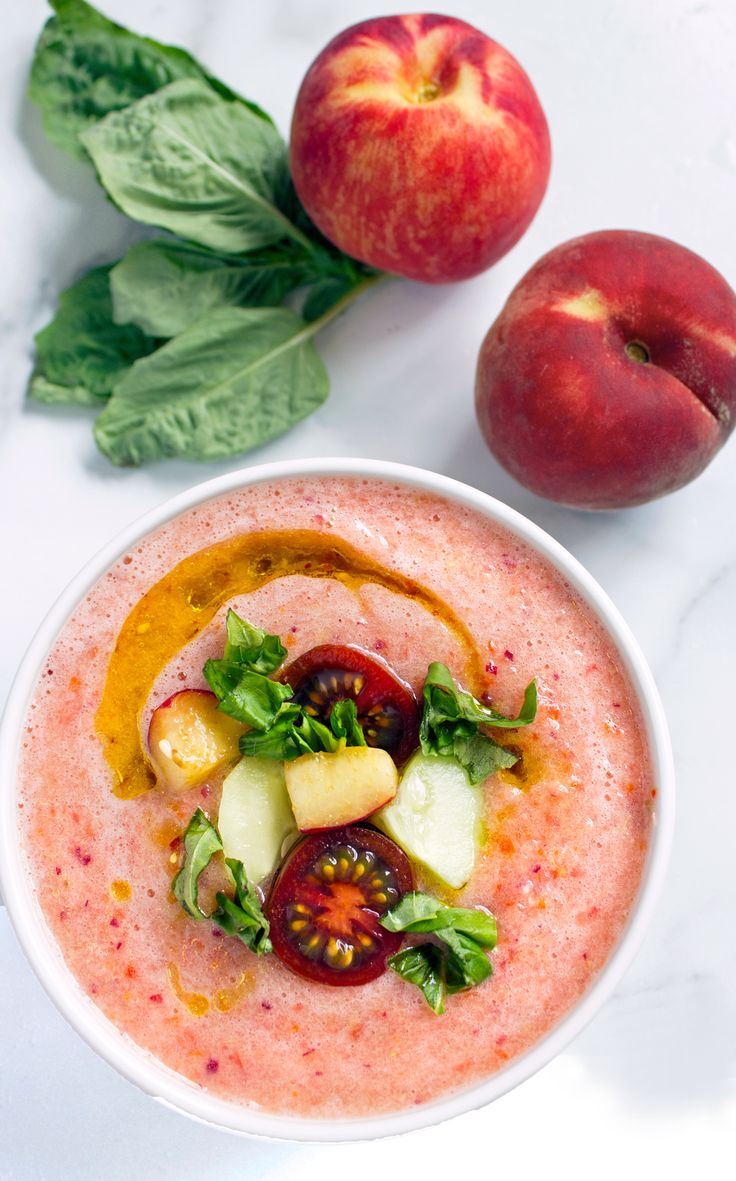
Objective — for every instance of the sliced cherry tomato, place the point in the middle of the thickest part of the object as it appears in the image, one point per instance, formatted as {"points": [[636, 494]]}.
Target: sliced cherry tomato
{"points": [[387, 707], [327, 899]]}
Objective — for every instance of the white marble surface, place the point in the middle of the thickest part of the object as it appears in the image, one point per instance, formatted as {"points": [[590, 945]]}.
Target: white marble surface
{"points": [[640, 99]]}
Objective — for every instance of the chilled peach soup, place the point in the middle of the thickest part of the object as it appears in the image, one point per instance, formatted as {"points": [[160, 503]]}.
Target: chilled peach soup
{"points": [[416, 579]]}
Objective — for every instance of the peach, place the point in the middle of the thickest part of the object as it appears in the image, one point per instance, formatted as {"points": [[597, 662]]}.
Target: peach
{"points": [[419, 146], [189, 739], [335, 788], [609, 378]]}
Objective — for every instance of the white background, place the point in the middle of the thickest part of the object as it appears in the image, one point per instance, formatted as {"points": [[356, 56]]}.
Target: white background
{"points": [[640, 98]]}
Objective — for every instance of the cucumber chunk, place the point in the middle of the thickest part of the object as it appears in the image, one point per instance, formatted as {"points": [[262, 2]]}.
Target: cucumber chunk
{"points": [[435, 817], [255, 815]]}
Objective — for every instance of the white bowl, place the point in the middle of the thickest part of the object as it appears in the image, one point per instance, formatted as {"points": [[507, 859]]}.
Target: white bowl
{"points": [[140, 1067]]}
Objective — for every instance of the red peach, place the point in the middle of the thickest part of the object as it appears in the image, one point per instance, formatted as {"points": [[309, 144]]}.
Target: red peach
{"points": [[609, 378], [419, 146]]}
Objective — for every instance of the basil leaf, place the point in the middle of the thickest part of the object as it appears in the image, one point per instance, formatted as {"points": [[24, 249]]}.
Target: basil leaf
{"points": [[282, 741], [417, 912], [467, 963], [164, 286], [295, 733], [450, 721], [230, 382], [314, 735], [244, 690], [244, 694], [465, 932], [526, 715], [243, 915], [424, 966], [411, 908], [188, 161], [251, 646], [86, 66], [239, 681], [477, 923], [447, 701], [344, 722], [52, 394], [326, 293], [481, 756], [82, 352], [281, 728], [222, 676], [201, 842]]}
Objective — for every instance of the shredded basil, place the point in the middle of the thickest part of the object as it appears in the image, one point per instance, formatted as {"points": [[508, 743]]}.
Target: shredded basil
{"points": [[457, 962], [240, 915], [451, 721], [294, 733], [279, 727]]}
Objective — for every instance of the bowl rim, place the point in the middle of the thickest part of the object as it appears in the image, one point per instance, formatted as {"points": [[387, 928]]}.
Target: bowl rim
{"points": [[141, 1067]]}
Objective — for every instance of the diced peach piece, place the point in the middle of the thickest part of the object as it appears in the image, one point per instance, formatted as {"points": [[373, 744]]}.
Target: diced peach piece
{"points": [[189, 738], [331, 789]]}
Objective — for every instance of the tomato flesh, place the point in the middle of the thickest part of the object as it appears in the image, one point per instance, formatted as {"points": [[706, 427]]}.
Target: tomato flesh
{"points": [[387, 708], [326, 902]]}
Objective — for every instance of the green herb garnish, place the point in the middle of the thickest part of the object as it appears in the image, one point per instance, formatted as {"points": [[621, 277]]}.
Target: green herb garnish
{"points": [[425, 966], [294, 733], [183, 338], [451, 721], [417, 913], [279, 727], [201, 842], [240, 915], [251, 646], [239, 680], [437, 970]]}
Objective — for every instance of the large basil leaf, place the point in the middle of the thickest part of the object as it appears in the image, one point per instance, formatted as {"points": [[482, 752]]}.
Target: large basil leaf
{"points": [[164, 286], [188, 161], [86, 66], [327, 292], [82, 352], [235, 379]]}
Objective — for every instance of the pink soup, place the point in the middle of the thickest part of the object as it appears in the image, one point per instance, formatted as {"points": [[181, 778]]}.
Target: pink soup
{"points": [[566, 832]]}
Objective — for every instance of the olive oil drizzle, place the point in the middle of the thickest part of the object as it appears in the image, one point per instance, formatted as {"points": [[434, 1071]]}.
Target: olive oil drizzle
{"points": [[177, 608]]}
